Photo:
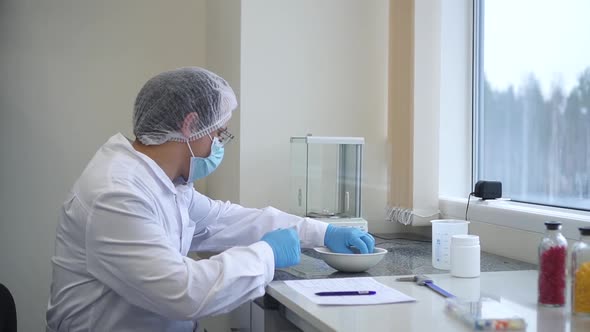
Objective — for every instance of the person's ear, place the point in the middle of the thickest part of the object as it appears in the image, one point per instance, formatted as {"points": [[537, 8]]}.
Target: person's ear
{"points": [[188, 123]]}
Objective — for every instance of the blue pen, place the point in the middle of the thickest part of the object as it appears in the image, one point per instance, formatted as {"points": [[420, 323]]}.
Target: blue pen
{"points": [[366, 292]]}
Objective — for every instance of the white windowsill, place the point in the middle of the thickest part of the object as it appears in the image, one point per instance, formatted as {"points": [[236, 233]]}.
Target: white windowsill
{"points": [[515, 215]]}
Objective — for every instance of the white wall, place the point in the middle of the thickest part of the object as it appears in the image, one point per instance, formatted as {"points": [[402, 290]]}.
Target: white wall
{"points": [[70, 72], [223, 57], [312, 67], [455, 98]]}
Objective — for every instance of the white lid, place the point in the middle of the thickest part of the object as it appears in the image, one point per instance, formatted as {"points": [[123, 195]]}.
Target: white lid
{"points": [[465, 240], [449, 221]]}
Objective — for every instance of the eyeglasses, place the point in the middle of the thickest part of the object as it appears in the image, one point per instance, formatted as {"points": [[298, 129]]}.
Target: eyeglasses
{"points": [[224, 136]]}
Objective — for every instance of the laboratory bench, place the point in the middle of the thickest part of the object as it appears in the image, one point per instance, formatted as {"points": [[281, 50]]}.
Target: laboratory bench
{"points": [[411, 254], [509, 281]]}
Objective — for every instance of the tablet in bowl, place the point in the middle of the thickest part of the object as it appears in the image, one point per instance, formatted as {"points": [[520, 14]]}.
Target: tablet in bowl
{"points": [[351, 262]]}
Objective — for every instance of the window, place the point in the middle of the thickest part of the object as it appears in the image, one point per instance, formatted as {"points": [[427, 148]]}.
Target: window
{"points": [[532, 100]]}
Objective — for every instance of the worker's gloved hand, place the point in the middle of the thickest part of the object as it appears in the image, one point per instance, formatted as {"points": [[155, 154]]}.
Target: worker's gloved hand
{"points": [[340, 239], [285, 246]]}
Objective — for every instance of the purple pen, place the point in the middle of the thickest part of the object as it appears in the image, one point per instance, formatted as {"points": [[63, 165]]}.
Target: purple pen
{"points": [[345, 293]]}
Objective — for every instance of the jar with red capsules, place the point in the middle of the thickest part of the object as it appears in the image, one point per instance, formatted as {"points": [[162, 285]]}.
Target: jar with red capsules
{"points": [[552, 266]]}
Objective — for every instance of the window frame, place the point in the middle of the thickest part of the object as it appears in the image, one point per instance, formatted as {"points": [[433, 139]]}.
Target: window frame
{"points": [[478, 90], [453, 198]]}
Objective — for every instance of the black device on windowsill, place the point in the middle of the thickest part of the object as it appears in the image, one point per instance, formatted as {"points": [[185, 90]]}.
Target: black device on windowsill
{"points": [[488, 189]]}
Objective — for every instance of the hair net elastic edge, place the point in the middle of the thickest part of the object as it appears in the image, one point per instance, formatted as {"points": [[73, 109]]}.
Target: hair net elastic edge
{"points": [[178, 137]]}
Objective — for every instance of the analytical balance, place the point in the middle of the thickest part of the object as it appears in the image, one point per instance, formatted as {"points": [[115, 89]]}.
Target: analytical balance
{"points": [[326, 177]]}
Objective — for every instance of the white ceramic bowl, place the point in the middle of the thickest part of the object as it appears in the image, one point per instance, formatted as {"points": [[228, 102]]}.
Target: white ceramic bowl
{"points": [[351, 262]]}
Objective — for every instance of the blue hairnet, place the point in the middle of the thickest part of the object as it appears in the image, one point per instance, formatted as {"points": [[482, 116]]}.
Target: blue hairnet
{"points": [[166, 99]]}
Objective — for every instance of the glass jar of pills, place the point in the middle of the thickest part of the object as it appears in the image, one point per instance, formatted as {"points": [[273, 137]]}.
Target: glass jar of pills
{"points": [[580, 267], [552, 266]]}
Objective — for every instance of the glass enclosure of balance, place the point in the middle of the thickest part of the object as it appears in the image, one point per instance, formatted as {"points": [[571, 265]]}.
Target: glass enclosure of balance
{"points": [[326, 176]]}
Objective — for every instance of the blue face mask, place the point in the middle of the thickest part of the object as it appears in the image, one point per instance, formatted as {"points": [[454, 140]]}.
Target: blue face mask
{"points": [[201, 167]]}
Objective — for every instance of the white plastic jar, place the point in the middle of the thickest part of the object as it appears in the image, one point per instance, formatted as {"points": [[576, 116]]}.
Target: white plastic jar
{"points": [[465, 256]]}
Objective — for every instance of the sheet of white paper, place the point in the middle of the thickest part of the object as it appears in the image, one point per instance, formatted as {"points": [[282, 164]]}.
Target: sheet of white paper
{"points": [[383, 294]]}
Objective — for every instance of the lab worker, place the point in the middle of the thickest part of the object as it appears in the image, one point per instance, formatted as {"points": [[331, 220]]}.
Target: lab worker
{"points": [[129, 221]]}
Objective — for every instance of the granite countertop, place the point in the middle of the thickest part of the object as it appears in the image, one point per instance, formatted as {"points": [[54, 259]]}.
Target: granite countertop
{"points": [[404, 257]]}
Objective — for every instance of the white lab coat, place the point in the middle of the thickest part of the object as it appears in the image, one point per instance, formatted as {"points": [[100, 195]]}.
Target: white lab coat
{"points": [[120, 254]]}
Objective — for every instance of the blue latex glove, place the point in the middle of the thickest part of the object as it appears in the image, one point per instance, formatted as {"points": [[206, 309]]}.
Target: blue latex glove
{"points": [[340, 239], [285, 246]]}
